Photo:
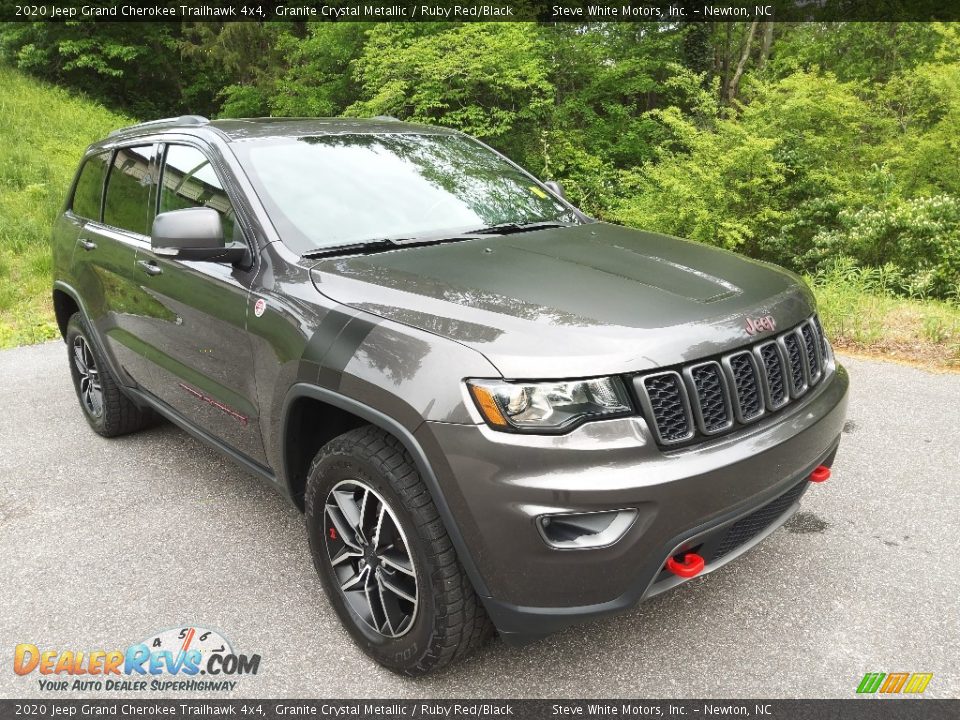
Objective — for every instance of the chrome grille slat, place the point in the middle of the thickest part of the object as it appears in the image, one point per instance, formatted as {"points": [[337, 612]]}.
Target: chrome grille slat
{"points": [[712, 397]]}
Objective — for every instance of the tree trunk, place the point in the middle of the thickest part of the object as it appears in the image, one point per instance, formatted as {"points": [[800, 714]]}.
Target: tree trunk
{"points": [[766, 42], [741, 66], [725, 65]]}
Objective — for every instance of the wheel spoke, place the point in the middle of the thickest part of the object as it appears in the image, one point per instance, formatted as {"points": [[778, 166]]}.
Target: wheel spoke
{"points": [[379, 527], [389, 585], [361, 532], [386, 609], [351, 583], [344, 530], [377, 608], [393, 558], [346, 554], [78, 360], [348, 507]]}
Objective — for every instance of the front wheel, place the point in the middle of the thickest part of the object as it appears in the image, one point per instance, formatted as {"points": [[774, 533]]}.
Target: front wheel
{"points": [[384, 556]]}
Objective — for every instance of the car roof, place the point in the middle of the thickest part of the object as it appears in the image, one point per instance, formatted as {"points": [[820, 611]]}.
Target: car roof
{"points": [[256, 128]]}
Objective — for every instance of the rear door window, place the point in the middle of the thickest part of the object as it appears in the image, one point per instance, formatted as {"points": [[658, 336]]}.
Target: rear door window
{"points": [[87, 195], [129, 188], [189, 181]]}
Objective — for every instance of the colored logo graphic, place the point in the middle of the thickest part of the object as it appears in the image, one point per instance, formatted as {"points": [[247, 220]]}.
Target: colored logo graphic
{"points": [[893, 683], [185, 653]]}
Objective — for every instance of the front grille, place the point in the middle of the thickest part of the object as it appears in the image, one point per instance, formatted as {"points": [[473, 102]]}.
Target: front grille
{"points": [[711, 397], [773, 365], [716, 396], [810, 345], [795, 358], [667, 402], [747, 386], [747, 528]]}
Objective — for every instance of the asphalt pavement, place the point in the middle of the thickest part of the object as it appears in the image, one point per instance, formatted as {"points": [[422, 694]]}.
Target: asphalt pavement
{"points": [[104, 542]]}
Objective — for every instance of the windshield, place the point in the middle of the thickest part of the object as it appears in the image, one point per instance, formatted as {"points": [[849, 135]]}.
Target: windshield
{"points": [[340, 189]]}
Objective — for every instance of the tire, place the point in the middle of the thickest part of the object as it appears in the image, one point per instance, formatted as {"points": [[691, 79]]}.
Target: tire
{"points": [[106, 408], [446, 620]]}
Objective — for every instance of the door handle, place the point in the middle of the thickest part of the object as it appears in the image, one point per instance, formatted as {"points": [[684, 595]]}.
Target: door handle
{"points": [[87, 244], [150, 267]]}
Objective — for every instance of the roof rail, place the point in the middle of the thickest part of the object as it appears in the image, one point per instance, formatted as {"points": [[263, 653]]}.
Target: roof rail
{"points": [[182, 120]]}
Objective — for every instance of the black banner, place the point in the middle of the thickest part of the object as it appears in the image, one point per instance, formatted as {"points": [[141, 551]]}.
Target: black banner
{"points": [[571, 11], [852, 709]]}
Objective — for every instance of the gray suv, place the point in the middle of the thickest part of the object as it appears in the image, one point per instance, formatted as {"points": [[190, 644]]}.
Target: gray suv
{"points": [[495, 412]]}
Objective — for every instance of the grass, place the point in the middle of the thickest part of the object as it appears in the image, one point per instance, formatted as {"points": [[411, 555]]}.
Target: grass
{"points": [[43, 133], [866, 320]]}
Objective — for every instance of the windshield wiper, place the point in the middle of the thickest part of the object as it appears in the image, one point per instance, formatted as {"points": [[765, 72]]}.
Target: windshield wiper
{"points": [[356, 247], [381, 244], [510, 228]]}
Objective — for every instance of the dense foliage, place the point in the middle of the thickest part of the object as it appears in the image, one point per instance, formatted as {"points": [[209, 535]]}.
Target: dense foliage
{"points": [[794, 143]]}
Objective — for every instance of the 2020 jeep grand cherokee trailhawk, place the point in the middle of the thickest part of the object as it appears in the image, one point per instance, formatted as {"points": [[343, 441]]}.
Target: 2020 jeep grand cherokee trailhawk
{"points": [[494, 411]]}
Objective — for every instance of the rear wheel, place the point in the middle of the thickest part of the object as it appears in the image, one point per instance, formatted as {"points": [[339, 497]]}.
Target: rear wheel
{"points": [[106, 408], [385, 558]]}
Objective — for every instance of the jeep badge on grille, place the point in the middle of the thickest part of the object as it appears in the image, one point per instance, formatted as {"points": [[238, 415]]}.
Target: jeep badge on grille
{"points": [[755, 325]]}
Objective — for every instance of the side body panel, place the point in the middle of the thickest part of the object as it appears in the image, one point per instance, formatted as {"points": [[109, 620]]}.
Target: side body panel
{"points": [[190, 324], [191, 327], [103, 261]]}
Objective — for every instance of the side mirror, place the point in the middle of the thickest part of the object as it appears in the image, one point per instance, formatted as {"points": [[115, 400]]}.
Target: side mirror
{"points": [[192, 234], [556, 188]]}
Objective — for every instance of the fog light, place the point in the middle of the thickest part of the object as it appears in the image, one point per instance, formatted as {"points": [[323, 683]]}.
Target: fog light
{"points": [[580, 531]]}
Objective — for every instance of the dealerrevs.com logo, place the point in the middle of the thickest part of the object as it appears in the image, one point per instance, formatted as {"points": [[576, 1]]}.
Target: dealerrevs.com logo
{"points": [[176, 660]]}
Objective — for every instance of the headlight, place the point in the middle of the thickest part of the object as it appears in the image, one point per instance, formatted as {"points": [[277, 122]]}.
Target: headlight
{"points": [[550, 406]]}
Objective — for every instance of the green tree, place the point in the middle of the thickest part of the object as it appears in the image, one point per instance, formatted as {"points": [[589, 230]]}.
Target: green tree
{"points": [[124, 65], [488, 79]]}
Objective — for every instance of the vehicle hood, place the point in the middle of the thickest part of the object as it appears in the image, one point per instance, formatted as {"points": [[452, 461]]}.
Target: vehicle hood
{"points": [[576, 301]]}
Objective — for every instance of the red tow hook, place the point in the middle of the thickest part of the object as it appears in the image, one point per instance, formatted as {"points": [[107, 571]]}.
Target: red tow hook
{"points": [[820, 474], [691, 566]]}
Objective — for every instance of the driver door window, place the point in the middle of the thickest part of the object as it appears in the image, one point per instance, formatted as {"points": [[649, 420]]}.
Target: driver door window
{"points": [[190, 181]]}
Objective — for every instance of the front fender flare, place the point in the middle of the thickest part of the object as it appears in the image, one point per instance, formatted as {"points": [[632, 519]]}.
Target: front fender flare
{"points": [[406, 437]]}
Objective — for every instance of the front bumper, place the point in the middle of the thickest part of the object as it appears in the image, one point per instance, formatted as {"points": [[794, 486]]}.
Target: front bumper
{"points": [[496, 485]]}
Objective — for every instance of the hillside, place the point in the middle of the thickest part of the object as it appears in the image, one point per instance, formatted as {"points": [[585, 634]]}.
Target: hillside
{"points": [[43, 132]]}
